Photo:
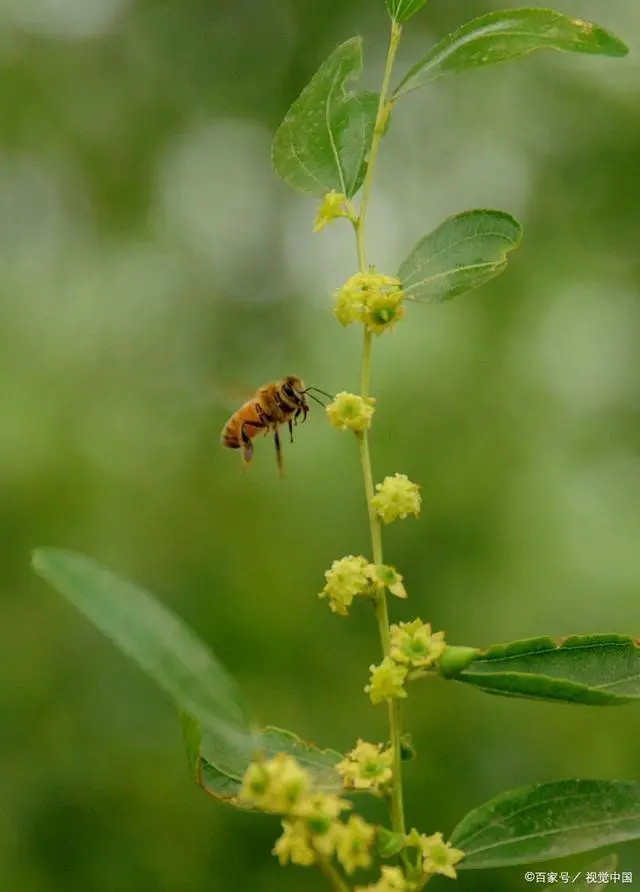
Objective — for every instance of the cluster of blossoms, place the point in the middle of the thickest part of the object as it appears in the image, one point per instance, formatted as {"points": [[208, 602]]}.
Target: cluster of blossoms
{"points": [[413, 650], [352, 576], [371, 298], [396, 498], [350, 412], [313, 830]]}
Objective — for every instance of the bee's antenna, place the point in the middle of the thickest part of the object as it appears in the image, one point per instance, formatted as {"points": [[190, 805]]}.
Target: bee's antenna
{"points": [[323, 392], [315, 398]]}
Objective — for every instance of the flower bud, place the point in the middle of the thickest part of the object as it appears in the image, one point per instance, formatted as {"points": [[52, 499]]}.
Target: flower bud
{"points": [[390, 578]]}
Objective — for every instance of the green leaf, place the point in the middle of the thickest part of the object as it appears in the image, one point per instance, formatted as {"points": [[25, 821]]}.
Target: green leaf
{"points": [[221, 776], [402, 10], [157, 639], [599, 670], [389, 843], [546, 821], [602, 869], [462, 253], [323, 142], [511, 34]]}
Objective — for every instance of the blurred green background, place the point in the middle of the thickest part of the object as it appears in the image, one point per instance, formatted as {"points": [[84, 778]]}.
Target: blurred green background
{"points": [[151, 264]]}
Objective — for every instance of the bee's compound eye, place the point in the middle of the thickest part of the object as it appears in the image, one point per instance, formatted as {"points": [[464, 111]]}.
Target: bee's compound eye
{"points": [[289, 391]]}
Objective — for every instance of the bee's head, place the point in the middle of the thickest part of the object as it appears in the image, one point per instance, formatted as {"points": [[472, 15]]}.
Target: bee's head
{"points": [[293, 387]]}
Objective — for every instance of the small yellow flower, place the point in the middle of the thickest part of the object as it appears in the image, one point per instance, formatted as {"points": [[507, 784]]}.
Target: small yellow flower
{"points": [[384, 309], [349, 411], [371, 298], [366, 767], [415, 645], [354, 844], [334, 205], [387, 681], [294, 845], [390, 578], [320, 813], [276, 785], [391, 880], [396, 497], [438, 856], [346, 578]]}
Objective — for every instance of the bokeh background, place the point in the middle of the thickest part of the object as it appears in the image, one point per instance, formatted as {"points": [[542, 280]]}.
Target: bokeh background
{"points": [[152, 266]]}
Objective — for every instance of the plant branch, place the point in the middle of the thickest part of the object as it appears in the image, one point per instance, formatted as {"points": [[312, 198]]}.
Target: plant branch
{"points": [[384, 108], [382, 612], [332, 874]]}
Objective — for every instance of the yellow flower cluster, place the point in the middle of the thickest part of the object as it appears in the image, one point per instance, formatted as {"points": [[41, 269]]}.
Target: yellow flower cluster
{"points": [[352, 576], [414, 648], [349, 411], [370, 298], [312, 828], [396, 498], [366, 767], [346, 578]]}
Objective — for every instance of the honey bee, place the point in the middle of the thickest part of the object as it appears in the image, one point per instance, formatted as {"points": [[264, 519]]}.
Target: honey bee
{"points": [[274, 404]]}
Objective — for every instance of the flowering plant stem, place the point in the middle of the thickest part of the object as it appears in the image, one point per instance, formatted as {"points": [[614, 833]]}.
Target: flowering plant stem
{"points": [[332, 875], [382, 613]]}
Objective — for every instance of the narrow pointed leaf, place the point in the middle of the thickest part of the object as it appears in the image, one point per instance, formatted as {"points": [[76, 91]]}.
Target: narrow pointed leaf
{"points": [[547, 821], [158, 640], [222, 778], [402, 10], [323, 142], [598, 670], [510, 34], [462, 253]]}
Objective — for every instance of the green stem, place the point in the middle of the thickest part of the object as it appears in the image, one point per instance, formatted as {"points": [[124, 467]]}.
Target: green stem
{"points": [[378, 130], [331, 873], [382, 612]]}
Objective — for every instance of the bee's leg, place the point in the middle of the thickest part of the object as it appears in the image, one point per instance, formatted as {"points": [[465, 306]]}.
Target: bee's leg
{"points": [[276, 437], [246, 441], [290, 430]]}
